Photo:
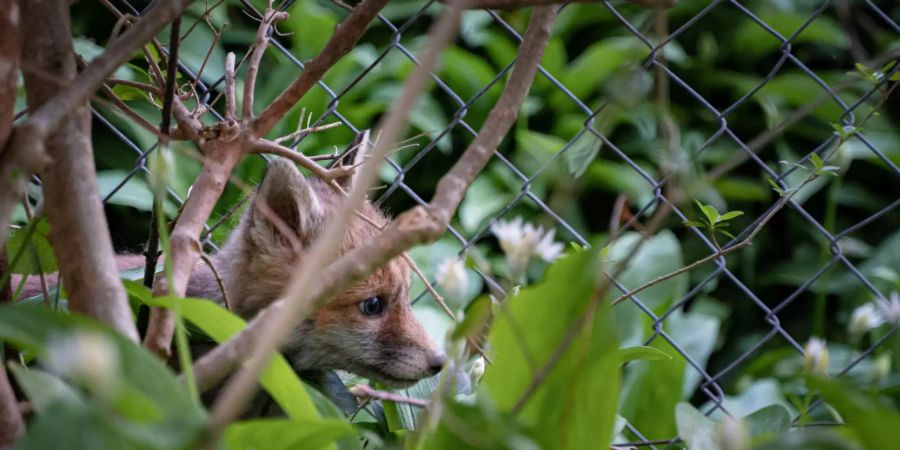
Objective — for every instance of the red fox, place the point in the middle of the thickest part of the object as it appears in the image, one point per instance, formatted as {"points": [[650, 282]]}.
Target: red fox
{"points": [[369, 330]]}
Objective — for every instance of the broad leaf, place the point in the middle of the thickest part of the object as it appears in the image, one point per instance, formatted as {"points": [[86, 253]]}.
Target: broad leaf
{"points": [[582, 386], [697, 430], [279, 379], [285, 434]]}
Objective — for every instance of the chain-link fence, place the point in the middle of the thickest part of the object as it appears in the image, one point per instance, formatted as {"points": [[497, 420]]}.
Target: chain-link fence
{"points": [[710, 392]]}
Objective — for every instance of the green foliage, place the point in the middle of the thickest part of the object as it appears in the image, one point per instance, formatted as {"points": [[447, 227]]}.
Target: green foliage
{"points": [[29, 251], [713, 221], [278, 379], [596, 386], [125, 395], [284, 434], [583, 385]]}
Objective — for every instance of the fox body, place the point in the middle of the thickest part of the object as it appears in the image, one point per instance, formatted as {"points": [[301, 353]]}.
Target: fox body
{"points": [[369, 330]]}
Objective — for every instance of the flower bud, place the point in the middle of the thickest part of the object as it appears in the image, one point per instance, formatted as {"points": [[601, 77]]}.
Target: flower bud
{"points": [[452, 279], [88, 358], [815, 357], [863, 319]]}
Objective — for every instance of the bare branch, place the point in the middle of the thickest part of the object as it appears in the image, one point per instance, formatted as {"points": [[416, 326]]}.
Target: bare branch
{"points": [[212, 268], [11, 424], [297, 305], [72, 199], [125, 109], [220, 158], [342, 41], [259, 49], [265, 146], [230, 100]]}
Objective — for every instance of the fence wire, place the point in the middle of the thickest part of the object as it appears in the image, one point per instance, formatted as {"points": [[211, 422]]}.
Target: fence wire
{"points": [[709, 388]]}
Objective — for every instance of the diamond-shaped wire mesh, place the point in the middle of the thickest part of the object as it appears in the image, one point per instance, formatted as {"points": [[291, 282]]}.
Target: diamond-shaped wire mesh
{"points": [[709, 391]]}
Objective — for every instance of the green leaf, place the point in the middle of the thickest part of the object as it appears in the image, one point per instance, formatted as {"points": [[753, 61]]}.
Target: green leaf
{"points": [[37, 253], [771, 420], [816, 161], [726, 233], [279, 379], [651, 389], [582, 386], [172, 417], [711, 213], [44, 389], [874, 425], [285, 434], [697, 430], [643, 352], [730, 215], [694, 223]]}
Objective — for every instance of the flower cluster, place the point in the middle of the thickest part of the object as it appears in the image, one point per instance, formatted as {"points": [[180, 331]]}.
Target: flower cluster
{"points": [[522, 241]]}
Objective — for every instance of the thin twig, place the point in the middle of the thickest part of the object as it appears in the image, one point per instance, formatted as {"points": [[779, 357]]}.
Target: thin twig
{"points": [[135, 84], [230, 100], [307, 131], [259, 49], [365, 392], [212, 267], [342, 41], [269, 147]]}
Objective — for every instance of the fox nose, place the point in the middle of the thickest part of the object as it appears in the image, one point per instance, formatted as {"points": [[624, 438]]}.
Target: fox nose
{"points": [[436, 362]]}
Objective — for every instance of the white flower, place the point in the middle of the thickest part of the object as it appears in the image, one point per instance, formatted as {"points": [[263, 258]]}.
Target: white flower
{"points": [[521, 241], [86, 357], [815, 356], [733, 434], [548, 249], [477, 370], [864, 318], [890, 310], [452, 279]]}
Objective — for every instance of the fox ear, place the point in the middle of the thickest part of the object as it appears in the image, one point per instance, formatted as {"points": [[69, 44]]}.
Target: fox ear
{"points": [[353, 156], [287, 195]]}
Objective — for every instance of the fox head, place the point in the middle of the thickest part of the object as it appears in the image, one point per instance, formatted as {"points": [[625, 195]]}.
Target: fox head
{"points": [[370, 329]]}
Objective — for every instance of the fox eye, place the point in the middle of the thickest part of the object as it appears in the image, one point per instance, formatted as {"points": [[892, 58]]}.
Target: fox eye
{"points": [[372, 306]]}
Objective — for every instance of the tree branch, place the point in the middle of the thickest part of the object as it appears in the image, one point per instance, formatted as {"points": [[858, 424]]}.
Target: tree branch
{"points": [[219, 160], [72, 199], [11, 424], [266, 146], [341, 42]]}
